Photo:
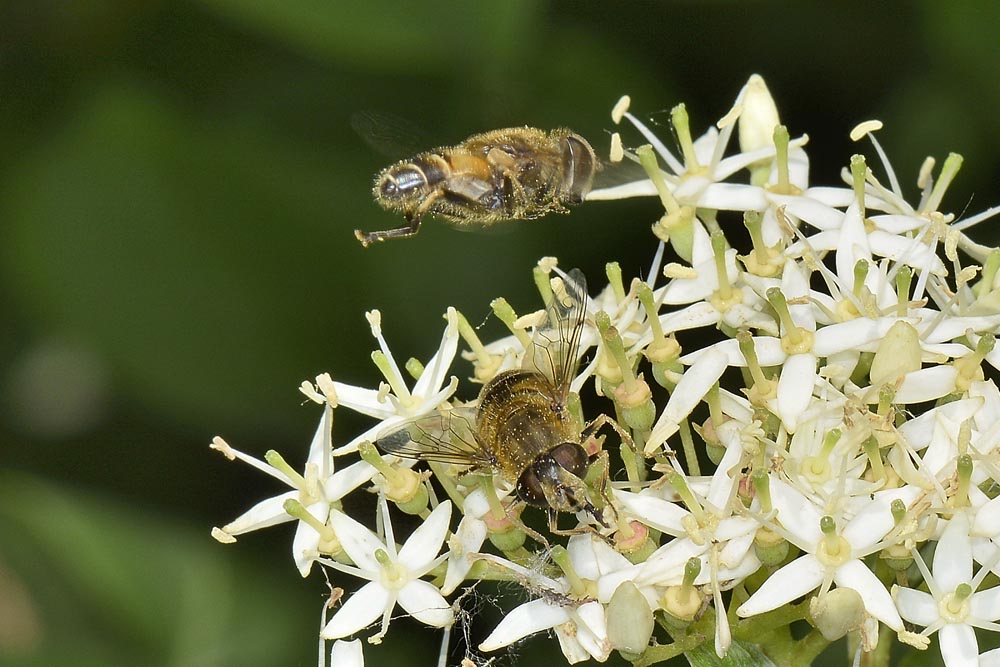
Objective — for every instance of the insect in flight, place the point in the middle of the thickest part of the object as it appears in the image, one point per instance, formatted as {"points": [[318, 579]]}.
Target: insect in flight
{"points": [[521, 427], [517, 173]]}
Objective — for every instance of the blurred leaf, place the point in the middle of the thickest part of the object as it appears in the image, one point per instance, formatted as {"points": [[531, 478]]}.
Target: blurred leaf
{"points": [[741, 654], [179, 249], [965, 45], [389, 35], [113, 587]]}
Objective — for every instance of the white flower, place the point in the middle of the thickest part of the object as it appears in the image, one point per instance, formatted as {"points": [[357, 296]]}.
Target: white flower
{"points": [[393, 576], [708, 531], [697, 179], [393, 402], [954, 606], [832, 554], [314, 490], [580, 624], [467, 540]]}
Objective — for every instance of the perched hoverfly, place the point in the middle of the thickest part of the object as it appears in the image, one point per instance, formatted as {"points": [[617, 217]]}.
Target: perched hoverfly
{"points": [[521, 428], [517, 173]]}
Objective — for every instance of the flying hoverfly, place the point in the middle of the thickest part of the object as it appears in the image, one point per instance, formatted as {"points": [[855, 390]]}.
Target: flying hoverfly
{"points": [[516, 173], [521, 427]]}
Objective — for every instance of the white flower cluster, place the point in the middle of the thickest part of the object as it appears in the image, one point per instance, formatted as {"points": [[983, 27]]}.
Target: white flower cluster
{"points": [[834, 374]]}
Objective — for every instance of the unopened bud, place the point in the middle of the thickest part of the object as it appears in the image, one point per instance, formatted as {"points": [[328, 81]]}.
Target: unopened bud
{"points": [[838, 612], [770, 547], [759, 116], [898, 353], [630, 620]]}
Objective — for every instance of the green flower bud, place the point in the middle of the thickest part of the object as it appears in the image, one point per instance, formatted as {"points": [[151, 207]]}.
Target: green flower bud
{"points": [[630, 620], [838, 612]]}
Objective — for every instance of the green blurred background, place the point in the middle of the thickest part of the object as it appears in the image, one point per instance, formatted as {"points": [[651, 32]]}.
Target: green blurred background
{"points": [[178, 190]]}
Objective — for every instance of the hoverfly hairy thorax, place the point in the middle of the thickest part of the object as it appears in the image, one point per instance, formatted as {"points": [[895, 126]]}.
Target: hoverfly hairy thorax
{"points": [[512, 174]]}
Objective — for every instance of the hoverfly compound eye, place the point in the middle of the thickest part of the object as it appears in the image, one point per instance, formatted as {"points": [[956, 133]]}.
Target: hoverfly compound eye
{"points": [[529, 486], [572, 458], [388, 188]]}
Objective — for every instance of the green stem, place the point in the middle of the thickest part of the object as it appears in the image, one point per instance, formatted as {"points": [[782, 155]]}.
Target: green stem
{"points": [[690, 455], [751, 628], [880, 656], [664, 652], [809, 647]]}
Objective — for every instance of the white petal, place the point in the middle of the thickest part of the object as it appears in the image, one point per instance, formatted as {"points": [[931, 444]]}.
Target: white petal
{"points": [[360, 611], [767, 348], [838, 196], [950, 328], [593, 558], [953, 554], [912, 252], [268, 512], [990, 658], [855, 574], [305, 544], [843, 336], [720, 490], [695, 316], [470, 537], [694, 384], [643, 188], [475, 504], [733, 197], [665, 566], [365, 401], [796, 513], [869, 525], [321, 446], [592, 630], [852, 246], [654, 512], [918, 430], [990, 395], [817, 214], [898, 224], [927, 384], [959, 647], [347, 654], [527, 619], [571, 648], [916, 606], [985, 604], [422, 601], [359, 542], [795, 388], [794, 580], [422, 547], [795, 287], [347, 479], [436, 370]]}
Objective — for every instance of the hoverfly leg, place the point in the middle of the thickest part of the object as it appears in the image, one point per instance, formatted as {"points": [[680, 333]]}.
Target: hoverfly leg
{"points": [[508, 167], [530, 532], [594, 426], [368, 238], [580, 530], [601, 459], [411, 227]]}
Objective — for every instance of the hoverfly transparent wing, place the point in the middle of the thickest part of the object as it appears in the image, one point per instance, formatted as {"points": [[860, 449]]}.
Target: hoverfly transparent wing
{"points": [[557, 340], [446, 436], [388, 134]]}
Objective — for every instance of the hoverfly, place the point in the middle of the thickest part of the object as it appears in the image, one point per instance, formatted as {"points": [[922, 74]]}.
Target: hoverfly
{"points": [[521, 427], [517, 173]]}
